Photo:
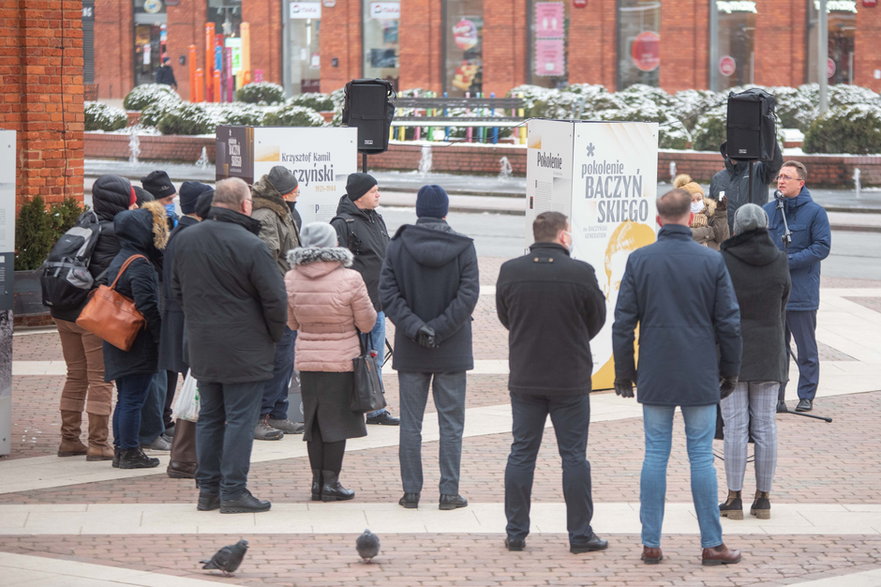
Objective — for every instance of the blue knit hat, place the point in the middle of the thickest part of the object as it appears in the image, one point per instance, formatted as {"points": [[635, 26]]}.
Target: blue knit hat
{"points": [[432, 201]]}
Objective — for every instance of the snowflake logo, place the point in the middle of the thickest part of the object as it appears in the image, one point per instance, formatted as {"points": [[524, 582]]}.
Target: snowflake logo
{"points": [[590, 149]]}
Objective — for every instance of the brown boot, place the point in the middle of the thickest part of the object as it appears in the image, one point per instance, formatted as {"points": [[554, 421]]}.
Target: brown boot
{"points": [[720, 555], [99, 448], [71, 445], [182, 464]]}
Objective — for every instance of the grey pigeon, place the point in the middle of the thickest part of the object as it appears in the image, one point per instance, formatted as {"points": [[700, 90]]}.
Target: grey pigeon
{"points": [[367, 545], [228, 558]]}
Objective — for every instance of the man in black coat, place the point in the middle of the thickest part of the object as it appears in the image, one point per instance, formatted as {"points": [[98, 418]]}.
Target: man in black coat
{"points": [[678, 293], [429, 287], [361, 229], [552, 307], [235, 309], [732, 183]]}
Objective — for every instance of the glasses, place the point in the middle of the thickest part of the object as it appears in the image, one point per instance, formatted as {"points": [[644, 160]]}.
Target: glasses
{"points": [[787, 178]]}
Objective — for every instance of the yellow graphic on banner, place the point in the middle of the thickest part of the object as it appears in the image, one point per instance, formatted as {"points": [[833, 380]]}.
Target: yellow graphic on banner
{"points": [[267, 153]]}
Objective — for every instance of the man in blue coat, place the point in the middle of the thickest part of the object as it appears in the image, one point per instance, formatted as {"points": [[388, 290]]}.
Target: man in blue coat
{"points": [[806, 242], [680, 296], [429, 287]]}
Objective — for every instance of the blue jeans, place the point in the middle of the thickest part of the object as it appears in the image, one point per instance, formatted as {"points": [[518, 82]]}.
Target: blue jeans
{"points": [[275, 391], [449, 400], [225, 435], [700, 427], [152, 414], [377, 343], [131, 392], [570, 415]]}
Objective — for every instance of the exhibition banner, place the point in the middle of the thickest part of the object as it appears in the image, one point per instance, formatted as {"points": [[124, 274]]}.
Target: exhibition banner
{"points": [[603, 175]]}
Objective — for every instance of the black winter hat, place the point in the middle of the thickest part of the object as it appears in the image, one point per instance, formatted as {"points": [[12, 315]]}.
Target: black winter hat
{"points": [[158, 184], [432, 201], [282, 179], [203, 203], [111, 194], [142, 195], [189, 194], [359, 184]]}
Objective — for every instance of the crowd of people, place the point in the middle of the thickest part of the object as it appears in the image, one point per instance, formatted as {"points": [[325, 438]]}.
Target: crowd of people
{"points": [[243, 297]]}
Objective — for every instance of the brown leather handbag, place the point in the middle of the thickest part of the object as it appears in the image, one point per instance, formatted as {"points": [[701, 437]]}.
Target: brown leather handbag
{"points": [[111, 316]]}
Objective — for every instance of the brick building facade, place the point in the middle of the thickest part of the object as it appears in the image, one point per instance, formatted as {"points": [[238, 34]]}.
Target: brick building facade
{"points": [[779, 42], [41, 97]]}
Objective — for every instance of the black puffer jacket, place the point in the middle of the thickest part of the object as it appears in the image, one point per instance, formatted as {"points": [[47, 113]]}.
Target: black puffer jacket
{"points": [[430, 278], [140, 232], [552, 307], [364, 233], [734, 181], [233, 298], [111, 195], [760, 275]]}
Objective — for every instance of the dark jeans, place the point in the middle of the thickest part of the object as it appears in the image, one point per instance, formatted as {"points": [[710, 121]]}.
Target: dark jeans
{"points": [[152, 421], [131, 393], [275, 391], [570, 415], [225, 434], [802, 326], [449, 400]]}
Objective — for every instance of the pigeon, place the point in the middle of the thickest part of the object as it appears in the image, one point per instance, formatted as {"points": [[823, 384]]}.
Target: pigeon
{"points": [[228, 558], [367, 545]]}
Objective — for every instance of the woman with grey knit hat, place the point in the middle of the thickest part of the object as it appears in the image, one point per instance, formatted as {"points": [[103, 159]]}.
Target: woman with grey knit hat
{"points": [[760, 274], [328, 304]]}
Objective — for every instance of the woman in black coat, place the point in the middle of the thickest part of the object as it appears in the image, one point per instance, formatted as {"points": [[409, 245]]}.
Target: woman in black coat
{"points": [[140, 232], [760, 274]]}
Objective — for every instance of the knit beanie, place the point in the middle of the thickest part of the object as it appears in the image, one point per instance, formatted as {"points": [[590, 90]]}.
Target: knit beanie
{"points": [[282, 179], [189, 193], [749, 217], [432, 201], [158, 184], [318, 234], [142, 195], [203, 203], [358, 184], [684, 182]]}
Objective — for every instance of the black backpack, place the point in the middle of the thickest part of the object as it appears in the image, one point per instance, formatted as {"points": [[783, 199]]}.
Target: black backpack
{"points": [[66, 280]]}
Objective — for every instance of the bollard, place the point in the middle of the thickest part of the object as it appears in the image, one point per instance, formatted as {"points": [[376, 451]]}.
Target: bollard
{"points": [[672, 171], [856, 181]]}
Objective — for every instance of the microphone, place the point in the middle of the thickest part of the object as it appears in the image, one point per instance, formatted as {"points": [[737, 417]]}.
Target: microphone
{"points": [[778, 195]]}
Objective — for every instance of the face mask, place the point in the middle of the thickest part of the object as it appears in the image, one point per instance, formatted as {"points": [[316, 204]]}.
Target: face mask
{"points": [[169, 209], [696, 207]]}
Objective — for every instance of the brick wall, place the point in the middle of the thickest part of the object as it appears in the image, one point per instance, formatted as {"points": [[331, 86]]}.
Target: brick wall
{"points": [[591, 49], [41, 97], [781, 44], [264, 16], [684, 45], [867, 57], [340, 39], [114, 48], [504, 50], [421, 45], [153, 148], [186, 26]]}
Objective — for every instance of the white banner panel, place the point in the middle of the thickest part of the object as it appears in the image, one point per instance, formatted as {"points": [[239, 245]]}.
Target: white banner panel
{"points": [[320, 158], [603, 175]]}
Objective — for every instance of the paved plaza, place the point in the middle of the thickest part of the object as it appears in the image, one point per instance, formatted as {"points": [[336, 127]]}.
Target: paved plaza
{"points": [[65, 521]]}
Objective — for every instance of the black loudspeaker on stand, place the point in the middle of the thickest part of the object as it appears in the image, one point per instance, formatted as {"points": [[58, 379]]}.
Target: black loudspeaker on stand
{"points": [[369, 106], [751, 128]]}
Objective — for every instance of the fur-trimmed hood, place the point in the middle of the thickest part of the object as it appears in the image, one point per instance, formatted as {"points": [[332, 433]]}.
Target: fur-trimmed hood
{"points": [[144, 227], [301, 257]]}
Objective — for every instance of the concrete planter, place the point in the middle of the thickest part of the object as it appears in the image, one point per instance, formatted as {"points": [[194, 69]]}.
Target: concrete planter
{"points": [[27, 304]]}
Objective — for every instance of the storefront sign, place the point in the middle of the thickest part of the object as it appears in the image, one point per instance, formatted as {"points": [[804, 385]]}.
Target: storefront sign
{"points": [[465, 34], [304, 10], [727, 65], [548, 20], [603, 176], [838, 6], [732, 6], [870, 3], [385, 10], [549, 57], [830, 67], [645, 51], [579, 3]]}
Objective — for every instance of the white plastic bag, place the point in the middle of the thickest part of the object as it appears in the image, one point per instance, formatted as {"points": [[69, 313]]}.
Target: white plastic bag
{"points": [[186, 403]]}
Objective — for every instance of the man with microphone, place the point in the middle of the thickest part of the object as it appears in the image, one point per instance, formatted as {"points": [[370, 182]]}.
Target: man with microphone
{"points": [[799, 226]]}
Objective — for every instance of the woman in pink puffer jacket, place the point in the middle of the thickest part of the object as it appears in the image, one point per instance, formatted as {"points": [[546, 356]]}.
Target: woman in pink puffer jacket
{"points": [[327, 304]]}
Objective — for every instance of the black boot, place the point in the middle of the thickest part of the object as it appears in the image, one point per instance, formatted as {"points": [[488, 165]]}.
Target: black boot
{"points": [[733, 506], [331, 490], [316, 485], [134, 458], [116, 452], [761, 507]]}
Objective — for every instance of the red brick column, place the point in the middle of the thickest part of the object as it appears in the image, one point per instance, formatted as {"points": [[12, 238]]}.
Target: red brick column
{"points": [[421, 41], [504, 45], [591, 46], [341, 39], [186, 26], [114, 48], [780, 44], [41, 97], [684, 45], [867, 57], [264, 17]]}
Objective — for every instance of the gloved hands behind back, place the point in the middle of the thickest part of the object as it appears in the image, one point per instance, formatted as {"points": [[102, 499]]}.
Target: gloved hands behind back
{"points": [[727, 385], [624, 387], [426, 337]]}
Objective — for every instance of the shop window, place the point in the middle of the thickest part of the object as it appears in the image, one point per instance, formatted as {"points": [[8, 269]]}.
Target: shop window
{"points": [[463, 47], [639, 42], [381, 40], [842, 19], [303, 54], [548, 28], [226, 16], [735, 43], [149, 38]]}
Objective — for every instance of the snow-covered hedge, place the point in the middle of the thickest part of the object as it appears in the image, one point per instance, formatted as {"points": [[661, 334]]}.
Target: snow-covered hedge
{"points": [[260, 93], [142, 96], [293, 115], [187, 119], [853, 128], [314, 100], [100, 116]]}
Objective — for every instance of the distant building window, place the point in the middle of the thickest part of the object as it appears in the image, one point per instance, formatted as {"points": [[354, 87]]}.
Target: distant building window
{"points": [[463, 47], [639, 42], [842, 24], [381, 19], [548, 34], [735, 43]]}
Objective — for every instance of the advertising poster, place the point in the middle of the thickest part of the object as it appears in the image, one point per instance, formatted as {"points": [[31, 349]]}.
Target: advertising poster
{"points": [[603, 176], [320, 158]]}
